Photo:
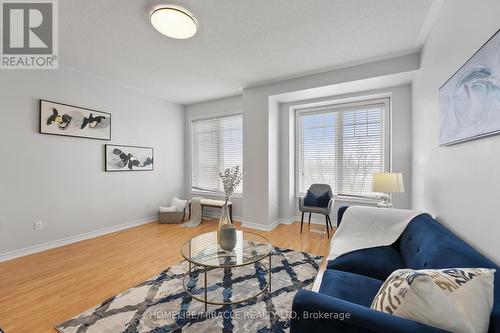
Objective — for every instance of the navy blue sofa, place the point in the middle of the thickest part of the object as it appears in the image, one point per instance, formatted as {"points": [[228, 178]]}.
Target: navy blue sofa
{"points": [[352, 280]]}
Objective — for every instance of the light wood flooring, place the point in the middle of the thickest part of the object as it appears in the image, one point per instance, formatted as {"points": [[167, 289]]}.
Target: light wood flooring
{"points": [[44, 289]]}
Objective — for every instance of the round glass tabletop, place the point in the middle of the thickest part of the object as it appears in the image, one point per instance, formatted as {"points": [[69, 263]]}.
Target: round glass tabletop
{"points": [[203, 250]]}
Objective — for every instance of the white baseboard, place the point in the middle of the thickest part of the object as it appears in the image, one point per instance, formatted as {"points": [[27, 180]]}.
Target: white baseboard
{"points": [[318, 219], [214, 215], [269, 227], [76, 238], [259, 226], [73, 239], [287, 221]]}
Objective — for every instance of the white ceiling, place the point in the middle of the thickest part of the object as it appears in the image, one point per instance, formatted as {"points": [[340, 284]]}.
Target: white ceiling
{"points": [[240, 43]]}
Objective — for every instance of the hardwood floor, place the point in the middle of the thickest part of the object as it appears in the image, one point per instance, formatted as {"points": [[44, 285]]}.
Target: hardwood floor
{"points": [[44, 289]]}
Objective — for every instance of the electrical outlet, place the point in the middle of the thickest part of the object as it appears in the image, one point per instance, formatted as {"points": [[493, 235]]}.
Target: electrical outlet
{"points": [[38, 226]]}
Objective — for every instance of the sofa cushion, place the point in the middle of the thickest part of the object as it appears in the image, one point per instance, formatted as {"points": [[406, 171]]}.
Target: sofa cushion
{"points": [[377, 262], [349, 287]]}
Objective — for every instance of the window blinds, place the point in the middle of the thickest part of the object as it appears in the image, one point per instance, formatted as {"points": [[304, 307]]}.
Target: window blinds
{"points": [[217, 144], [341, 146]]}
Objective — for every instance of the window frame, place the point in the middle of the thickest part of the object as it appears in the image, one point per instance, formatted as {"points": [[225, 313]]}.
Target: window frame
{"points": [[341, 106], [191, 120]]}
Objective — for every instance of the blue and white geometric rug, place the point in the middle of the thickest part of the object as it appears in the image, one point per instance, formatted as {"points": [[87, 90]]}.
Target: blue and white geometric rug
{"points": [[161, 304]]}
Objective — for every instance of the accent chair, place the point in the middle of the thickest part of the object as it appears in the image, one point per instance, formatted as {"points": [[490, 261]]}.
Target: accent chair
{"points": [[319, 200]]}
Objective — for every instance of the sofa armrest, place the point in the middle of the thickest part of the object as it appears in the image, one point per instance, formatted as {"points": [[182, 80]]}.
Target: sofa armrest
{"points": [[315, 312]]}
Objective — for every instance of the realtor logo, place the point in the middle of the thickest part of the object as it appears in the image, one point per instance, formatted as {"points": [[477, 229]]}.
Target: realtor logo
{"points": [[29, 34]]}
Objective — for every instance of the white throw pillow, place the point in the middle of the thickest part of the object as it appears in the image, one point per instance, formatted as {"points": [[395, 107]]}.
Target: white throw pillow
{"points": [[178, 203], [454, 299]]}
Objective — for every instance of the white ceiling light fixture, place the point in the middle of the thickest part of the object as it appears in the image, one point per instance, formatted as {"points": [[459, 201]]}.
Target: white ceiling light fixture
{"points": [[175, 22]]}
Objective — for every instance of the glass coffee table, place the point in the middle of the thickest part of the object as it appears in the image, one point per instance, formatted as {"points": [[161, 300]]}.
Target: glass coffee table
{"points": [[203, 253]]}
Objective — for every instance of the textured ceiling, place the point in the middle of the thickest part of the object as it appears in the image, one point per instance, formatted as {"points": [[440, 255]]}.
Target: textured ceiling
{"points": [[240, 43]]}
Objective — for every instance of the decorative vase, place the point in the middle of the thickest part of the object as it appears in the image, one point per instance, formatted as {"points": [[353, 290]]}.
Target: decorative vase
{"points": [[226, 233]]}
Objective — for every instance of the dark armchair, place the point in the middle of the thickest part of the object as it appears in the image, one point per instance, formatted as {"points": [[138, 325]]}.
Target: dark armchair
{"points": [[309, 205]]}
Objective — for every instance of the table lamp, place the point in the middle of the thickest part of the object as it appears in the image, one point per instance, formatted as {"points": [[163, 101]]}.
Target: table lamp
{"points": [[387, 183]]}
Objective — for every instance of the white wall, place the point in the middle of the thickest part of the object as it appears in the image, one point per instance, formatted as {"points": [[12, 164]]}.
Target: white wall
{"points": [[216, 107], [400, 146], [275, 169], [458, 183], [61, 180]]}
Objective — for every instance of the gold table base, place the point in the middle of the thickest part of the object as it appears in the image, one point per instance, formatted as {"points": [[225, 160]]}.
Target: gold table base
{"points": [[207, 268]]}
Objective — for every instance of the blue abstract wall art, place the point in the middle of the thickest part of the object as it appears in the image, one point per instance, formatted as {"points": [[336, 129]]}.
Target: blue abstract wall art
{"points": [[470, 99]]}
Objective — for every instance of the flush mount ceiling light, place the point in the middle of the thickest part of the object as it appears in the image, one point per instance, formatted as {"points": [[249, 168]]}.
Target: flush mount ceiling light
{"points": [[174, 22]]}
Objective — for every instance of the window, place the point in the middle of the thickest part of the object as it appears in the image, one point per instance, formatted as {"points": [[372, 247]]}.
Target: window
{"points": [[342, 145], [217, 144]]}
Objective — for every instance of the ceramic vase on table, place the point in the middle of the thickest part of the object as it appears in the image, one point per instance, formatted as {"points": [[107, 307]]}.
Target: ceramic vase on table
{"points": [[226, 233]]}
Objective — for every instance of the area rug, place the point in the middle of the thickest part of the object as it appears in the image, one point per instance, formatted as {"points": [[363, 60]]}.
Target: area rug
{"points": [[161, 304]]}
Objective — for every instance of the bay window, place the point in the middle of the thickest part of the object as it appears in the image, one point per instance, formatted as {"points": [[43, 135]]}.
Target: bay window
{"points": [[342, 145]]}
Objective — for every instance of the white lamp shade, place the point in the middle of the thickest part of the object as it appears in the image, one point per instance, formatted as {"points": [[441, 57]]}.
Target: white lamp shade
{"points": [[388, 182]]}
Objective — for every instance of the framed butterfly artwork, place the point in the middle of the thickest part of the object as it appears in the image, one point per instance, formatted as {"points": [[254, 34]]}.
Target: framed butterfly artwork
{"points": [[128, 158], [69, 120]]}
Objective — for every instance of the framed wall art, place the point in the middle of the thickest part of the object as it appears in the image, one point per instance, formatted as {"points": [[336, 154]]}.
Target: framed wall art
{"points": [[470, 99], [128, 158], [69, 120]]}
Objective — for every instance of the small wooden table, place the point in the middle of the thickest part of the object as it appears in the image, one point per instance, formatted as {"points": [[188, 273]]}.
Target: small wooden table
{"points": [[214, 204]]}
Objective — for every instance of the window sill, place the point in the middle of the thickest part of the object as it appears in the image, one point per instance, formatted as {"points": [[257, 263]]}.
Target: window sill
{"points": [[358, 199], [349, 198], [216, 195]]}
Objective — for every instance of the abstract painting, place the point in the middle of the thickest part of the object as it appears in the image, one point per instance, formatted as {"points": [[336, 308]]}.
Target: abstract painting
{"points": [[470, 99], [128, 158], [68, 120]]}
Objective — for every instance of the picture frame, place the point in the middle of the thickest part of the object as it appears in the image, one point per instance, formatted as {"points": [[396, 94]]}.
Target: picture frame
{"points": [[123, 158], [73, 121], [469, 100]]}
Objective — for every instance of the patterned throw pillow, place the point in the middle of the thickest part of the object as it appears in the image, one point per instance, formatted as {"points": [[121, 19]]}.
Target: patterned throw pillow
{"points": [[455, 299]]}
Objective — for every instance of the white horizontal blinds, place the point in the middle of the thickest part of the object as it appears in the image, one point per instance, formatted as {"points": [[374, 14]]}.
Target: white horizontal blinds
{"points": [[232, 146], [205, 159], [217, 144], [362, 149], [317, 145], [342, 147]]}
